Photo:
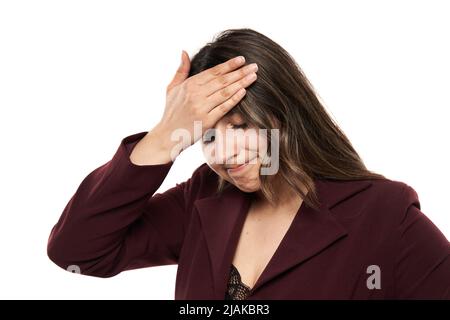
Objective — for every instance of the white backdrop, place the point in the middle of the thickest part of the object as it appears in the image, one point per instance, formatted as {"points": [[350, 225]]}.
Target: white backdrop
{"points": [[78, 76]]}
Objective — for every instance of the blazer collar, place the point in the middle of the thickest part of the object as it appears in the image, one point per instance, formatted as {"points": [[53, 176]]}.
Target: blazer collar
{"points": [[311, 231]]}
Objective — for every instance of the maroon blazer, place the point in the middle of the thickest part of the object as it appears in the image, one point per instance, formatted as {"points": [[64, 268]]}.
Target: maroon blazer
{"points": [[116, 222]]}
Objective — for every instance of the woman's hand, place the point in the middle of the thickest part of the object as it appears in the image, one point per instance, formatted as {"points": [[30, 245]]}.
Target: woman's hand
{"points": [[205, 97]]}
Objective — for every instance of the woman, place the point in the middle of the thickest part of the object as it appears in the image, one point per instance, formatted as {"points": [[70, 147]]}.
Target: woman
{"points": [[292, 214]]}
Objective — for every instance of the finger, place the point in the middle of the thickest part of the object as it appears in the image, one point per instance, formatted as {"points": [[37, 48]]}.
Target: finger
{"points": [[224, 94], [218, 112], [220, 69], [229, 78], [182, 72]]}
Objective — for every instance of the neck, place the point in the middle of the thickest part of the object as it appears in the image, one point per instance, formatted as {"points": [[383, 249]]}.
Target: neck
{"points": [[287, 197]]}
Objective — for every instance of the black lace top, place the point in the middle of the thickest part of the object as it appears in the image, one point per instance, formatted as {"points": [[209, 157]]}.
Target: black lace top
{"points": [[236, 289]]}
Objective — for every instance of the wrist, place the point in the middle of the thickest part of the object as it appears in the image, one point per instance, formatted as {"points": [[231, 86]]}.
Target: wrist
{"points": [[161, 136]]}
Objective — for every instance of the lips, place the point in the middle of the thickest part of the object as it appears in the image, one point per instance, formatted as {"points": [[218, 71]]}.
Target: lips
{"points": [[237, 168], [234, 166]]}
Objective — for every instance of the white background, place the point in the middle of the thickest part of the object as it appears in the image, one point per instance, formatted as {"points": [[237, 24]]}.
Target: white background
{"points": [[78, 76]]}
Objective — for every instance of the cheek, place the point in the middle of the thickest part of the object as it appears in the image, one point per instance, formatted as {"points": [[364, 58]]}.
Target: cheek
{"points": [[256, 143], [255, 169], [262, 144]]}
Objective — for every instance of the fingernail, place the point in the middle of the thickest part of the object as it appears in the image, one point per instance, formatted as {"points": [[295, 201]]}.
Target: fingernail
{"points": [[253, 67]]}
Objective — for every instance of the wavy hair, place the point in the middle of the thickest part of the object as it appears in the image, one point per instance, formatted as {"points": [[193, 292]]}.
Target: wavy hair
{"points": [[311, 144]]}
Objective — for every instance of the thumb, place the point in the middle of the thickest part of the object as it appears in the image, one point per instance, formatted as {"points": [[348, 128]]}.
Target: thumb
{"points": [[182, 71]]}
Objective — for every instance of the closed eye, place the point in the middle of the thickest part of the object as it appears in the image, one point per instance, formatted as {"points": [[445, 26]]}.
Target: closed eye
{"points": [[209, 136], [240, 126]]}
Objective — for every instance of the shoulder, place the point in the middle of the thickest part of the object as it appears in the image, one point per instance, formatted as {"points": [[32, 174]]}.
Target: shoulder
{"points": [[202, 183], [394, 200], [377, 200], [383, 191], [395, 192], [388, 186], [203, 176]]}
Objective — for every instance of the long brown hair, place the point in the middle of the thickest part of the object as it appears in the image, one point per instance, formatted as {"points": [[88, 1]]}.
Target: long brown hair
{"points": [[311, 144]]}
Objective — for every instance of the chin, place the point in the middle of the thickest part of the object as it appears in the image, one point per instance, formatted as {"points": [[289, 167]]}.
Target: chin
{"points": [[246, 184], [247, 188]]}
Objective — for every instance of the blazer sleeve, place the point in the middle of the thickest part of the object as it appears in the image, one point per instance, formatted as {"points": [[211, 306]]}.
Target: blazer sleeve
{"points": [[423, 259], [116, 222]]}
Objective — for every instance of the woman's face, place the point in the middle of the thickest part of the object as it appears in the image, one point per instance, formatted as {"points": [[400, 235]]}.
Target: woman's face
{"points": [[234, 150]]}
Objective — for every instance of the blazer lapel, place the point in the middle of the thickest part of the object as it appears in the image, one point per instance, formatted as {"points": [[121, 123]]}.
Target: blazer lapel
{"points": [[222, 218], [311, 231]]}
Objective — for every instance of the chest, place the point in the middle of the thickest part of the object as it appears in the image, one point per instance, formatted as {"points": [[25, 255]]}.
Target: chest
{"points": [[261, 234]]}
